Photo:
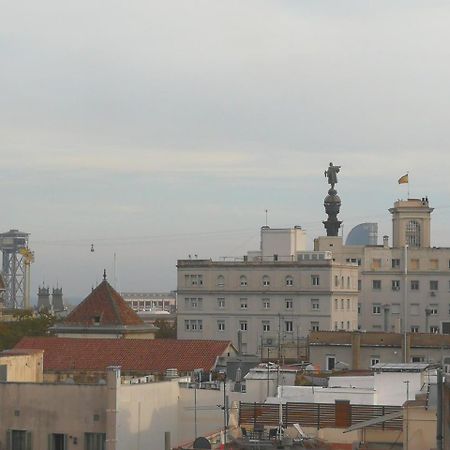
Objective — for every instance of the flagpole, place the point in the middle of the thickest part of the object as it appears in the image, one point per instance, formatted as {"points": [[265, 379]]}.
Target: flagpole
{"points": [[407, 173]]}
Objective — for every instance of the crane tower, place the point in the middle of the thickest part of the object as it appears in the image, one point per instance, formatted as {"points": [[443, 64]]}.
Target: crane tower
{"points": [[16, 261]]}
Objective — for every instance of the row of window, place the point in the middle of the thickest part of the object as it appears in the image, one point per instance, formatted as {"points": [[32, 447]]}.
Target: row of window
{"points": [[196, 325], [414, 285], [414, 309], [414, 263], [21, 440], [343, 303], [342, 325], [197, 303], [197, 280]]}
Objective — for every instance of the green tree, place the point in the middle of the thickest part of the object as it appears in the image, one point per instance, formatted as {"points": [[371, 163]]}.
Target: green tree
{"points": [[25, 324], [167, 329]]}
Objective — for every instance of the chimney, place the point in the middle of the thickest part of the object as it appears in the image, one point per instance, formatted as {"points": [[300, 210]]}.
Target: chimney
{"points": [[386, 241]]}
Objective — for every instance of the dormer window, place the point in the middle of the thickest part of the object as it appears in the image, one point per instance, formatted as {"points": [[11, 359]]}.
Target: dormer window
{"points": [[96, 320]]}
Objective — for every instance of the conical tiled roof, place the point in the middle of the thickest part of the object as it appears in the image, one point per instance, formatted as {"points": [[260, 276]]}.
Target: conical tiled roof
{"points": [[104, 306]]}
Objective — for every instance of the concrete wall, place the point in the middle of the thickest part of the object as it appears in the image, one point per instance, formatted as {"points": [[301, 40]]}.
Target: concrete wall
{"points": [[421, 423], [146, 411], [49, 408], [26, 367]]}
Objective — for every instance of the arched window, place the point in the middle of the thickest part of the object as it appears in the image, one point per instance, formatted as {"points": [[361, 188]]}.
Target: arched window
{"points": [[220, 281], [243, 280], [289, 281], [413, 233], [266, 280]]}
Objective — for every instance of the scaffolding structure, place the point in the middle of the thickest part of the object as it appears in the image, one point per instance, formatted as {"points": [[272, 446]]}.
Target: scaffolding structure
{"points": [[16, 260]]}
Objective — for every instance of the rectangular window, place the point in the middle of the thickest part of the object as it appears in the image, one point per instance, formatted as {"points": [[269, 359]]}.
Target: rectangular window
{"points": [[433, 310], [244, 303], [374, 360], [434, 264], [414, 309], [221, 325], [336, 281], [414, 264], [395, 263], [243, 325], [221, 303], [434, 285], [418, 359], [315, 280], [19, 440], [266, 325], [193, 280], [414, 328], [94, 441], [315, 305], [359, 285], [266, 303], [414, 285], [57, 441], [376, 284], [288, 326], [336, 304], [395, 285], [288, 303], [348, 304], [330, 362], [359, 308], [193, 325], [314, 326], [376, 263], [376, 308], [289, 281], [434, 329], [395, 308]]}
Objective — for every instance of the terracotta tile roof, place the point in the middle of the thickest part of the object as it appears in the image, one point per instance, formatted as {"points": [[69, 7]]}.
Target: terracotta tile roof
{"points": [[105, 306], [133, 355]]}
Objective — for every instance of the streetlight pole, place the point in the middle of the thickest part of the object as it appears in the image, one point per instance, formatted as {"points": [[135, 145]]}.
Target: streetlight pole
{"points": [[268, 371], [406, 415], [225, 409]]}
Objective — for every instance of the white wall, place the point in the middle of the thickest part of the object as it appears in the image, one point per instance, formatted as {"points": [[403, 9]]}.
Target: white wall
{"points": [[391, 389], [146, 412], [354, 382]]}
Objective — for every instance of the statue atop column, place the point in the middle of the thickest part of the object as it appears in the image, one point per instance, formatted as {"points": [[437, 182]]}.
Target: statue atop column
{"points": [[331, 173], [332, 202]]}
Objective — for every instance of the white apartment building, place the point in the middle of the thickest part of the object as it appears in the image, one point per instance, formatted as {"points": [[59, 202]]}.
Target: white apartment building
{"points": [[385, 272], [268, 298]]}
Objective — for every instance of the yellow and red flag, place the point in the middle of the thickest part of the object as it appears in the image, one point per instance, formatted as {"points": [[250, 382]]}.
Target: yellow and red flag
{"points": [[403, 179]]}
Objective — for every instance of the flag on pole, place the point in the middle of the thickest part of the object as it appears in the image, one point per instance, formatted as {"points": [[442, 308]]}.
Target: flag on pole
{"points": [[403, 179]]}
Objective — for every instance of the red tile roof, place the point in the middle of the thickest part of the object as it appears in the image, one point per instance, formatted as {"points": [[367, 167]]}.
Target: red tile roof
{"points": [[107, 305], [133, 355]]}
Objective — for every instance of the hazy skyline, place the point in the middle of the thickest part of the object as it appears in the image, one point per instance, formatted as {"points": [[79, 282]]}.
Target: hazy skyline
{"points": [[158, 129]]}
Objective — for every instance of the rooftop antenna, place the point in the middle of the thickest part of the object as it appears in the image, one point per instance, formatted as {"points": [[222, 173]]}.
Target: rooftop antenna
{"points": [[115, 271], [267, 211], [104, 274]]}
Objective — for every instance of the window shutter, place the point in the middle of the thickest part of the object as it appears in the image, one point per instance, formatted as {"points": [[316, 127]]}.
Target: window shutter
{"points": [[28, 445], [9, 440], [50, 442]]}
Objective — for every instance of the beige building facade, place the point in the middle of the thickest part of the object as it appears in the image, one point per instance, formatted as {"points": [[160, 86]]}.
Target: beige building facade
{"points": [[266, 299], [386, 271]]}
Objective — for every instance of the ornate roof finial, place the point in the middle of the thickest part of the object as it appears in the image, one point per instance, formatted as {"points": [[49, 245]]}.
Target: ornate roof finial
{"points": [[104, 274]]}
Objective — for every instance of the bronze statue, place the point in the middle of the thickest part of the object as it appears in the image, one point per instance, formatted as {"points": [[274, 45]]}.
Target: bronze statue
{"points": [[331, 173]]}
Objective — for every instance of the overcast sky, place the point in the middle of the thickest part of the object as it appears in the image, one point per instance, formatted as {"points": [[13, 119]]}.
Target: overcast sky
{"points": [[158, 129]]}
